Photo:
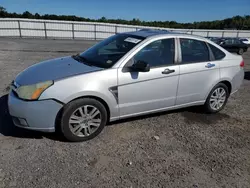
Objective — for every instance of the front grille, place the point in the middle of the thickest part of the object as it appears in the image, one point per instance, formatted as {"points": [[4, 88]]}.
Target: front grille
{"points": [[14, 87], [15, 93], [14, 84]]}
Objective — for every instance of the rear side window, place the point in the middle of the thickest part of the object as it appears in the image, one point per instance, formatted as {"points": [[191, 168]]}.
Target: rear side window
{"points": [[236, 41], [218, 54], [194, 51]]}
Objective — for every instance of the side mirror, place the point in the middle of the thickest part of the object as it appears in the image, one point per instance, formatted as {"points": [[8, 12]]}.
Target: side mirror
{"points": [[140, 66], [222, 43]]}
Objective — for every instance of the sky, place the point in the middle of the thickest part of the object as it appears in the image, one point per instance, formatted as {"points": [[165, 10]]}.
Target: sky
{"points": [[148, 10]]}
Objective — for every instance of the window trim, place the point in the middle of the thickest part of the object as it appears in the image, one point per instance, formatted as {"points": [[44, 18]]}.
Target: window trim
{"points": [[175, 55], [180, 51], [211, 54]]}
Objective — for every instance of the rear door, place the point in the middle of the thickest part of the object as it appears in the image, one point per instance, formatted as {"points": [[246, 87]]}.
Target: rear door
{"points": [[236, 44], [198, 73], [229, 45]]}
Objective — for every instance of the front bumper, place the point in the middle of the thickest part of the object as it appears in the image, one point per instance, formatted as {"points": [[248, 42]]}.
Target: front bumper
{"points": [[38, 115]]}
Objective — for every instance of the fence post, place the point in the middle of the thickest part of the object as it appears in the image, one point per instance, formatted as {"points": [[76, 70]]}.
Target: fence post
{"points": [[116, 29], [237, 33], [207, 33], [191, 32], [95, 31], [45, 30], [223, 33], [19, 27], [73, 31]]}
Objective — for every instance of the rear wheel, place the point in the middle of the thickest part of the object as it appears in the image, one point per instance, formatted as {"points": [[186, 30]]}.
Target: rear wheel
{"points": [[217, 98], [83, 119], [240, 51]]}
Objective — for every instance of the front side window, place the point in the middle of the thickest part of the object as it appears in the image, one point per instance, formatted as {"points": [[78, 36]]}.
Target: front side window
{"points": [[229, 41], [193, 51], [158, 53], [106, 53]]}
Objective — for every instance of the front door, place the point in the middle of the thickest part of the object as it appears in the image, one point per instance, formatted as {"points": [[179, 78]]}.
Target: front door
{"points": [[142, 92], [197, 72]]}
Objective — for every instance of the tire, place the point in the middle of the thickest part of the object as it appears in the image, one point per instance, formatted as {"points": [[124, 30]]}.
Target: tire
{"points": [[209, 101], [240, 51], [82, 119]]}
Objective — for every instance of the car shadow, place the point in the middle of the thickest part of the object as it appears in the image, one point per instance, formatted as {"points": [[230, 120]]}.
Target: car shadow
{"points": [[8, 129], [247, 75], [194, 114]]}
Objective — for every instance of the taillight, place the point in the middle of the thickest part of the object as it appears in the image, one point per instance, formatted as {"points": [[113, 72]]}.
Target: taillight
{"points": [[242, 64]]}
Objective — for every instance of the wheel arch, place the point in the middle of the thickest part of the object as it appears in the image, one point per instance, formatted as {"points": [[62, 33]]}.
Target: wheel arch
{"points": [[228, 84], [105, 104], [225, 81], [59, 114]]}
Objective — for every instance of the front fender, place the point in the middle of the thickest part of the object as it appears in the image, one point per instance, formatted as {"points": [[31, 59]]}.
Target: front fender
{"points": [[92, 84], [108, 99]]}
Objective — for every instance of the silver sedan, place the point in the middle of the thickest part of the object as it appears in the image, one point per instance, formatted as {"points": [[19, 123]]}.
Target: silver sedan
{"points": [[125, 75]]}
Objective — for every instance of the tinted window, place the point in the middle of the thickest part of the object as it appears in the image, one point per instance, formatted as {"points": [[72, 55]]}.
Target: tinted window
{"points": [[157, 53], [218, 54], [236, 41], [106, 53], [229, 41], [193, 51], [239, 42]]}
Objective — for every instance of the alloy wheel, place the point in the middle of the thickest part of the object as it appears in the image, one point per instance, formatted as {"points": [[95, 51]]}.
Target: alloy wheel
{"points": [[218, 99], [85, 120]]}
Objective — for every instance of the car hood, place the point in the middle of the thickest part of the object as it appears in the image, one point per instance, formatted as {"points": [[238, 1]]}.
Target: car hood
{"points": [[53, 70]]}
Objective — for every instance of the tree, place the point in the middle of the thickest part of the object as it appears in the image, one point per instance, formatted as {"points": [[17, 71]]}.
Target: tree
{"points": [[37, 16], [27, 14], [236, 22], [3, 12], [103, 19]]}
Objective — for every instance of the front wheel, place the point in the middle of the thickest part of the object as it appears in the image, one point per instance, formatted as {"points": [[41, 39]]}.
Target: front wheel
{"points": [[83, 119], [217, 98]]}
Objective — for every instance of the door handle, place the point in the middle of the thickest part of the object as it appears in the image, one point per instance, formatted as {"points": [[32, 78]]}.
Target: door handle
{"points": [[167, 71], [209, 65]]}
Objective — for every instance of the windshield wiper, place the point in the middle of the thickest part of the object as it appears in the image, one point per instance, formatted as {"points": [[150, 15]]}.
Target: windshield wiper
{"points": [[81, 59]]}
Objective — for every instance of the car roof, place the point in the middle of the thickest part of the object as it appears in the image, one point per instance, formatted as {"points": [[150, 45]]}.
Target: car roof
{"points": [[146, 33], [149, 32]]}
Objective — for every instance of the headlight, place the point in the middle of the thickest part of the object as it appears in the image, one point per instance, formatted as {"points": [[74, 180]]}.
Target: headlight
{"points": [[32, 92]]}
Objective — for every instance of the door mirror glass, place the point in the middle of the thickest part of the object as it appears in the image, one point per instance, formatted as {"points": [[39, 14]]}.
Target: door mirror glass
{"points": [[140, 66]]}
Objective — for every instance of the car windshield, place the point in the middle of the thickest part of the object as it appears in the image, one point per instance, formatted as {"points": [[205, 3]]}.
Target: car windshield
{"points": [[106, 53]]}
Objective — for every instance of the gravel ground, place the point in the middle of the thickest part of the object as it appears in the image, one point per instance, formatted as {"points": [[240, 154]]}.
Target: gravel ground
{"points": [[183, 148]]}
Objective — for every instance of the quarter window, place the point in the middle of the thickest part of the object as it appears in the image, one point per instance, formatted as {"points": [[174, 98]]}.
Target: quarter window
{"points": [[218, 54], [193, 51], [157, 53]]}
